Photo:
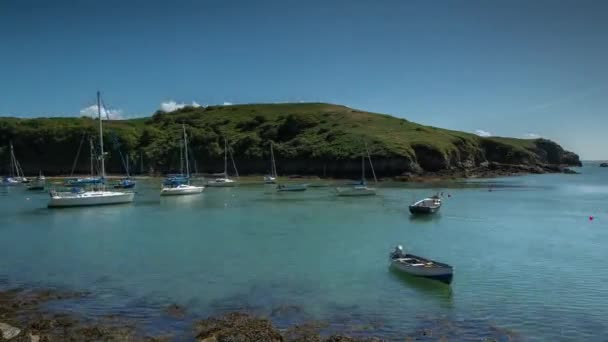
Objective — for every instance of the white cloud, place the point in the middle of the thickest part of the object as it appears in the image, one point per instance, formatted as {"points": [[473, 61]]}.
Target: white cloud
{"points": [[483, 133], [227, 103], [114, 114], [531, 136], [170, 106]]}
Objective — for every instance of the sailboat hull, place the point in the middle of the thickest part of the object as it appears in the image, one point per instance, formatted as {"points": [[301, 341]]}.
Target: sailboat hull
{"points": [[356, 191], [89, 198], [221, 183], [182, 190]]}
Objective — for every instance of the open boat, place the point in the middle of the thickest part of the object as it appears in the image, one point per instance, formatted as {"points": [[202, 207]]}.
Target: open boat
{"points": [[421, 267], [428, 205], [79, 197], [224, 181], [176, 185], [361, 188]]}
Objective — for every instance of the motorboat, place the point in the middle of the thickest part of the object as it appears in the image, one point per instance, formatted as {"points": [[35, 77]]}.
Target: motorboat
{"points": [[420, 267]]}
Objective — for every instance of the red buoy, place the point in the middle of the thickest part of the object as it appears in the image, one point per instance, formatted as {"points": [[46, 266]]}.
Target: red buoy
{"points": [[590, 218]]}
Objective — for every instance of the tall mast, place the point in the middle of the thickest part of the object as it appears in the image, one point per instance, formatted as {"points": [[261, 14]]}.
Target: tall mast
{"points": [[362, 168], [103, 166], [225, 158], [92, 155], [186, 150], [181, 156], [273, 166], [12, 163], [371, 165]]}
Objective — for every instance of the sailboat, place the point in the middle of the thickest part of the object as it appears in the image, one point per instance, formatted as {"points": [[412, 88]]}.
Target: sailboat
{"points": [[16, 172], [360, 189], [272, 177], [79, 197], [175, 185], [284, 187], [224, 181], [92, 179], [38, 184], [127, 182]]}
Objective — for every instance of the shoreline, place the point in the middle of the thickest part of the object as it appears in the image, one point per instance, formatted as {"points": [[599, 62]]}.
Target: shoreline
{"points": [[25, 316], [490, 171]]}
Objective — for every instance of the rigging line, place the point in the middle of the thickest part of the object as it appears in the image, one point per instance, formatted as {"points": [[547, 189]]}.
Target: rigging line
{"points": [[115, 140], [77, 154]]}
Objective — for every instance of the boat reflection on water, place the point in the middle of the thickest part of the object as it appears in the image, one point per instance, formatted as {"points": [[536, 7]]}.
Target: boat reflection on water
{"points": [[424, 218], [426, 287]]}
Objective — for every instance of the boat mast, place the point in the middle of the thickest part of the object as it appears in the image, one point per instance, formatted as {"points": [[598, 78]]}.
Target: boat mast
{"points": [[225, 158], [273, 166], [12, 162], [369, 157], [362, 168], [186, 150], [92, 155], [103, 167], [141, 162], [181, 157]]}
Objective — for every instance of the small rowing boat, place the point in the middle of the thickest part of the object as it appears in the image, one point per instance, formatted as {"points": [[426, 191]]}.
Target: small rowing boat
{"points": [[429, 205], [421, 267]]}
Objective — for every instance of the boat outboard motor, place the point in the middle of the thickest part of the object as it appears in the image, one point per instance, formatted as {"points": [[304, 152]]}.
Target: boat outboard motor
{"points": [[397, 253]]}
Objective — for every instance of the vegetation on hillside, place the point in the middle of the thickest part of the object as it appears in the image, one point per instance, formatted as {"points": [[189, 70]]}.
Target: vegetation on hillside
{"points": [[313, 132]]}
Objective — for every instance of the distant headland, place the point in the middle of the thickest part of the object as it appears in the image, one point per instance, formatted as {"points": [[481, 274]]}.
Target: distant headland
{"points": [[309, 139]]}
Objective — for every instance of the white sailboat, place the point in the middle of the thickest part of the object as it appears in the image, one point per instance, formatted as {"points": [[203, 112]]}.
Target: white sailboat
{"points": [[224, 181], [284, 187], [177, 186], [15, 171], [100, 196], [272, 177], [360, 189]]}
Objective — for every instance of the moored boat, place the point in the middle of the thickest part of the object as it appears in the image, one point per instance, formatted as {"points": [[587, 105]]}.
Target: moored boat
{"points": [[421, 267], [181, 189], [79, 197], [291, 187], [360, 188], [175, 185], [428, 205], [224, 181], [125, 183]]}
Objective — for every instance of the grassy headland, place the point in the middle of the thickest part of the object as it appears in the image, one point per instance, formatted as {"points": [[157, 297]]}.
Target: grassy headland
{"points": [[309, 138]]}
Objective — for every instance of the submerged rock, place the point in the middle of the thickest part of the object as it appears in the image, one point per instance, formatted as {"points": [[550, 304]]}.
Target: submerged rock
{"points": [[570, 171], [236, 327], [604, 165], [9, 331], [175, 311]]}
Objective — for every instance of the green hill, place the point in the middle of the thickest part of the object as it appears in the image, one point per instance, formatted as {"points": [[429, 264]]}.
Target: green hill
{"points": [[310, 138]]}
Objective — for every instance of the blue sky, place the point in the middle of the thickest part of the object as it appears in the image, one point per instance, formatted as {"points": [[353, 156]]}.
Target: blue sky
{"points": [[509, 68]]}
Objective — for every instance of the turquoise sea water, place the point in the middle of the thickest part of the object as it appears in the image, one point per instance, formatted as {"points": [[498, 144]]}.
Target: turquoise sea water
{"points": [[526, 255]]}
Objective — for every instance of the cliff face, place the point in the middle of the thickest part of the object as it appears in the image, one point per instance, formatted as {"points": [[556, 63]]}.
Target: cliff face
{"points": [[312, 139]]}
